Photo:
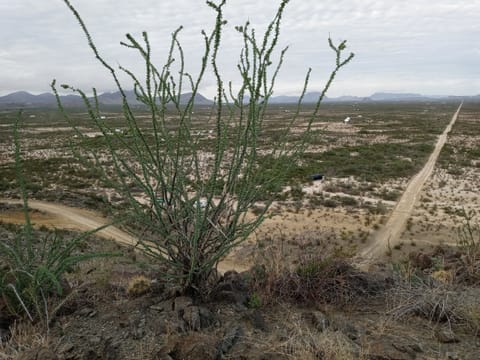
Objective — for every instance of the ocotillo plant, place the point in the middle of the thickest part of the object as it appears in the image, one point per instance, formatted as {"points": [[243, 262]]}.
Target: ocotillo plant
{"points": [[197, 200]]}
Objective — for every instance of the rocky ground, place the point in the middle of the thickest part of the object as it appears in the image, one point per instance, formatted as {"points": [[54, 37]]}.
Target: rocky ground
{"points": [[119, 308]]}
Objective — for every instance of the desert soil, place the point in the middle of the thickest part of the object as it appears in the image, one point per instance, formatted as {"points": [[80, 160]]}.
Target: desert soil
{"points": [[303, 225]]}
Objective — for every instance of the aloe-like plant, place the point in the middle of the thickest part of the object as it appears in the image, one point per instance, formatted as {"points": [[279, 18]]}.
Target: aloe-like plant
{"points": [[468, 243], [33, 266], [194, 201]]}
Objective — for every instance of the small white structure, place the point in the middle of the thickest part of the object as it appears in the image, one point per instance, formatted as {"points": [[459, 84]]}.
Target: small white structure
{"points": [[103, 117], [347, 120]]}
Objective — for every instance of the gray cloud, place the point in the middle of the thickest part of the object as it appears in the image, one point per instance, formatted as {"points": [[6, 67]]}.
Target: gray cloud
{"points": [[409, 45]]}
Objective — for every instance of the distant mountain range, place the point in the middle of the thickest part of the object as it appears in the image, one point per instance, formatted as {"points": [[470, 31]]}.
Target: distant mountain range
{"points": [[312, 97], [25, 99]]}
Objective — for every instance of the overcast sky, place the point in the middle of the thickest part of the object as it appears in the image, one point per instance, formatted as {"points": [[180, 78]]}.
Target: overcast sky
{"points": [[422, 46]]}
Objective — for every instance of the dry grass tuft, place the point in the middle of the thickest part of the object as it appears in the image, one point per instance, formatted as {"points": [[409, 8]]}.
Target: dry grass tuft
{"points": [[438, 303], [139, 285], [434, 303], [444, 276], [298, 341], [24, 336]]}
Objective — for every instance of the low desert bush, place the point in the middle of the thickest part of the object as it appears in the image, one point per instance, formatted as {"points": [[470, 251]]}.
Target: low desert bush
{"points": [[438, 295], [436, 301], [317, 280], [432, 301]]}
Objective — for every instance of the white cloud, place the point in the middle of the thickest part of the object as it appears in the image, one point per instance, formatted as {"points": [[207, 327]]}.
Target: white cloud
{"points": [[417, 40]]}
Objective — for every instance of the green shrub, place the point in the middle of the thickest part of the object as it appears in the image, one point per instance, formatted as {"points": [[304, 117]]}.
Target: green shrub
{"points": [[255, 301], [313, 268]]}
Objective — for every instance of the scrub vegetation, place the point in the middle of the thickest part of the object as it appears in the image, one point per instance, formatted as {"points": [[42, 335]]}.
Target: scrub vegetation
{"points": [[233, 249]]}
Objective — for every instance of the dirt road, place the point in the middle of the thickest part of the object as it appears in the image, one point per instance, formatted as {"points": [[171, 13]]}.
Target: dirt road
{"points": [[65, 217], [389, 235]]}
